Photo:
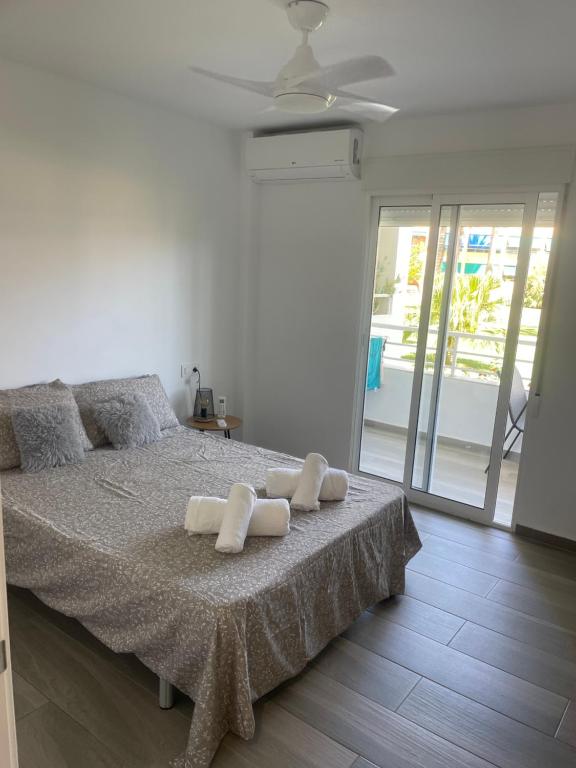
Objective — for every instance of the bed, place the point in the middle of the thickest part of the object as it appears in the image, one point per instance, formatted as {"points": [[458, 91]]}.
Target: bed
{"points": [[103, 541]]}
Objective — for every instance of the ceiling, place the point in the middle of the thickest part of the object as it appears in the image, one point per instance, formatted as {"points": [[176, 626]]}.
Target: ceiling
{"points": [[449, 55]]}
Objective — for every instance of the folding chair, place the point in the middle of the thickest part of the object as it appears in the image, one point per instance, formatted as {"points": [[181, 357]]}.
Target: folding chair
{"points": [[516, 411]]}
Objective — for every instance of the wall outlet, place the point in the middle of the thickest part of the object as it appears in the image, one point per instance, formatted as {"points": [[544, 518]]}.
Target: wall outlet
{"points": [[187, 371]]}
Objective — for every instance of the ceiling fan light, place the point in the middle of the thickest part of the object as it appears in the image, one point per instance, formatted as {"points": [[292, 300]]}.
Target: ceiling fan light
{"points": [[302, 103]]}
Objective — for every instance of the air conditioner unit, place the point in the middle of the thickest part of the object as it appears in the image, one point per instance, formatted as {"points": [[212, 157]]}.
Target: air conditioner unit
{"points": [[312, 155]]}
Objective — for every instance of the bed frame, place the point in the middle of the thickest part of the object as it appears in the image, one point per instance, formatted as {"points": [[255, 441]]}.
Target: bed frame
{"points": [[165, 694]]}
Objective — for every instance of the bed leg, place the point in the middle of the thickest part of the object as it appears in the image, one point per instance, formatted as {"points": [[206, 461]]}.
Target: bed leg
{"points": [[166, 694]]}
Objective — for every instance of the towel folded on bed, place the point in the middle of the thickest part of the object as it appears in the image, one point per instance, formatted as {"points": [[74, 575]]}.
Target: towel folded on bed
{"points": [[281, 482], [236, 520], [270, 517], [309, 483]]}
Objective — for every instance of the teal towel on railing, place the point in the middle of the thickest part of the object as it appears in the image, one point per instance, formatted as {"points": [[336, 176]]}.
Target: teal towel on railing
{"points": [[374, 362]]}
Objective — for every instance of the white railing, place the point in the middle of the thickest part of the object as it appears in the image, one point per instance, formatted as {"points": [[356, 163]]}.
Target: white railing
{"points": [[396, 352]]}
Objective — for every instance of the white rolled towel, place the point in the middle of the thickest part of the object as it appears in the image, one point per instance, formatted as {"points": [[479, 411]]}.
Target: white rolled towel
{"points": [[236, 520], [270, 517], [281, 483], [307, 491]]}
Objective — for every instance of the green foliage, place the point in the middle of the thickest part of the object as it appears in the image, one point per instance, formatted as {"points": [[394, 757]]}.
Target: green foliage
{"points": [[381, 305], [535, 288], [389, 285], [410, 318], [383, 283], [416, 262], [474, 303]]}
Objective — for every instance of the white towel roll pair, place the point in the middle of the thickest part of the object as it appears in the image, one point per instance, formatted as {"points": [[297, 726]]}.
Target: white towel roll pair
{"points": [[281, 483], [241, 515]]}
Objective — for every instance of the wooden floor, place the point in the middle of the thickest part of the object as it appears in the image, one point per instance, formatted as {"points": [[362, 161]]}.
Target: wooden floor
{"points": [[474, 667]]}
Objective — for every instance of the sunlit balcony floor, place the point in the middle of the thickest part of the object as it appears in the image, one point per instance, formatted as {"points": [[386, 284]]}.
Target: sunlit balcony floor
{"points": [[458, 469]]}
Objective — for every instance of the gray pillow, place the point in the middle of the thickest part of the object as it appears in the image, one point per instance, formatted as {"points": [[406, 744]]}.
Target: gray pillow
{"points": [[87, 395], [54, 393], [127, 420], [47, 436]]}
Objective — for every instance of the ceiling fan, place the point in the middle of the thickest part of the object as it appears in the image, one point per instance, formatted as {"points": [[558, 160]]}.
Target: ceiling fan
{"points": [[303, 86]]}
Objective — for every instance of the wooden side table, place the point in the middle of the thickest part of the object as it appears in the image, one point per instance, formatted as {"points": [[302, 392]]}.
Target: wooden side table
{"points": [[232, 422]]}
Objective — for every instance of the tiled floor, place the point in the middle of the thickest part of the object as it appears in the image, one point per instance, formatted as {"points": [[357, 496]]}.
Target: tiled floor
{"points": [[458, 471], [474, 667]]}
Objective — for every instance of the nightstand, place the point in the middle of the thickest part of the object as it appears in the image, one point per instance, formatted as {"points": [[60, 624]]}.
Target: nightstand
{"points": [[232, 422]]}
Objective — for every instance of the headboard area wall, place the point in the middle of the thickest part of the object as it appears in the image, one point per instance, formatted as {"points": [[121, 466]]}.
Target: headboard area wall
{"points": [[119, 227]]}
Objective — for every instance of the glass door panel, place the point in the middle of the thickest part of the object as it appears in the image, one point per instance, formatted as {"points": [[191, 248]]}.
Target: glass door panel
{"points": [[471, 299], [401, 246]]}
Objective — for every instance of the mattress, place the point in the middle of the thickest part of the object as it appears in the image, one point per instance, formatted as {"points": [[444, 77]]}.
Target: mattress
{"points": [[104, 542]]}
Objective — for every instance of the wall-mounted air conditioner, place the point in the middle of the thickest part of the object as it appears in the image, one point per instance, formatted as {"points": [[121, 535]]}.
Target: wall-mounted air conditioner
{"points": [[311, 155]]}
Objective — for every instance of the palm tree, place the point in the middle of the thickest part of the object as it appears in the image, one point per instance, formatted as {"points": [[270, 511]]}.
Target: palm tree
{"points": [[473, 303]]}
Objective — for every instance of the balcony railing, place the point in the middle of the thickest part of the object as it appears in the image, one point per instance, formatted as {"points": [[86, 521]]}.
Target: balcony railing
{"points": [[463, 360]]}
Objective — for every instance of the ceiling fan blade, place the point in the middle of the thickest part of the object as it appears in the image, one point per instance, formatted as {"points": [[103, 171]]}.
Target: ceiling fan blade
{"points": [[353, 97], [372, 109], [256, 86], [377, 112], [347, 72]]}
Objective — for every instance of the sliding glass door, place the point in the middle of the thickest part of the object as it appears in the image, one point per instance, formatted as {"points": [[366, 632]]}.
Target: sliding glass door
{"points": [[401, 244], [450, 350]]}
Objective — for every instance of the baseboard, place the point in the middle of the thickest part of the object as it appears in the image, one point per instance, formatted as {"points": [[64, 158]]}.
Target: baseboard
{"points": [[386, 427], [449, 442], [545, 538]]}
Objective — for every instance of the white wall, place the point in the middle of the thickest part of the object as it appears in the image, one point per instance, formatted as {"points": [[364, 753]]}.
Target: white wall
{"points": [[473, 131], [546, 496], [119, 238], [309, 238], [309, 286]]}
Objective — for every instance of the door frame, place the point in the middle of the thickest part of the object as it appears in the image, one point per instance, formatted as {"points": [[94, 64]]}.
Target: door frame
{"points": [[430, 197]]}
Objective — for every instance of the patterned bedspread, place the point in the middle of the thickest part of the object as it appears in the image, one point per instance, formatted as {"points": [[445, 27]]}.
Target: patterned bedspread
{"points": [[104, 541]]}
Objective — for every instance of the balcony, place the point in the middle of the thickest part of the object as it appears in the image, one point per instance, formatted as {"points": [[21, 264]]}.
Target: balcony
{"points": [[466, 416]]}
